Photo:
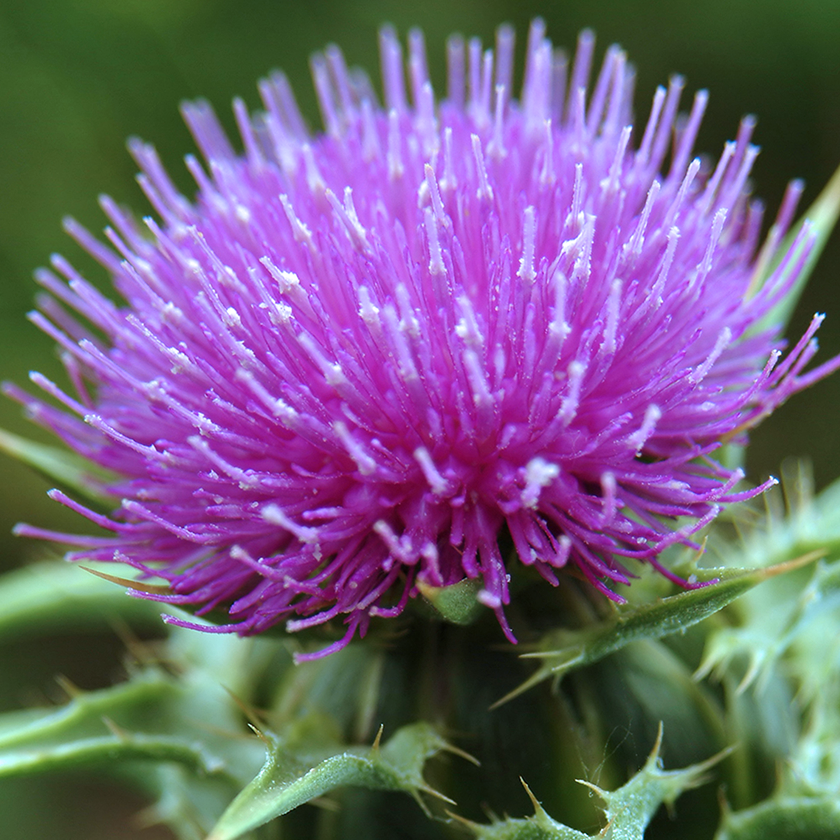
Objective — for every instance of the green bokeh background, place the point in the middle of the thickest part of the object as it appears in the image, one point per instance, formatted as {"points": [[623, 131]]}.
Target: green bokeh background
{"points": [[77, 77]]}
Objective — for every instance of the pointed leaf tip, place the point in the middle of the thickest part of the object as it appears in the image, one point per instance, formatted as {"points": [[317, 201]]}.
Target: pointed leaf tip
{"points": [[563, 650]]}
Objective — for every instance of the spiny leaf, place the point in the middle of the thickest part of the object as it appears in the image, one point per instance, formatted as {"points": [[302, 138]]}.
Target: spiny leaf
{"points": [[810, 523], [539, 827], [151, 717], [774, 620], [628, 810], [564, 650], [113, 749], [298, 770], [180, 739]]}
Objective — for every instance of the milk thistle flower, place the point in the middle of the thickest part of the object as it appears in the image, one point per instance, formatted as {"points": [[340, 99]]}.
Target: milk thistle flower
{"points": [[361, 356]]}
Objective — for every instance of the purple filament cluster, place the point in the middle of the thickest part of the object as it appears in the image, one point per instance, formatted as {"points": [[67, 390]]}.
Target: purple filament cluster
{"points": [[360, 356]]}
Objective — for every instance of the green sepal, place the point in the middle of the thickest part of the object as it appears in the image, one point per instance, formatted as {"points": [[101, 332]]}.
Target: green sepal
{"points": [[305, 765], [563, 650], [628, 810], [67, 469]]}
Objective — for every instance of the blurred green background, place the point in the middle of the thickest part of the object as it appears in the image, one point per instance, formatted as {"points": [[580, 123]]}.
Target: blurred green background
{"points": [[77, 77]]}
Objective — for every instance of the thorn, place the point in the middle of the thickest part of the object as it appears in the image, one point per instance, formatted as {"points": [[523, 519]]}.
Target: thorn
{"points": [[325, 804], [437, 794], [796, 563], [378, 738], [657, 745], [753, 669], [600, 791], [723, 803], [269, 744], [69, 687], [147, 817], [535, 678], [716, 758], [117, 731], [149, 588], [538, 808], [419, 800], [143, 653], [462, 754], [463, 820]]}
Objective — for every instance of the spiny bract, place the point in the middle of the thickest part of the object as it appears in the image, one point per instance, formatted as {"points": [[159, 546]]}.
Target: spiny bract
{"points": [[360, 356]]}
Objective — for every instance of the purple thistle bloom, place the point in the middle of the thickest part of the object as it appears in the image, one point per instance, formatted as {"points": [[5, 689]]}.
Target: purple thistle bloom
{"points": [[360, 356]]}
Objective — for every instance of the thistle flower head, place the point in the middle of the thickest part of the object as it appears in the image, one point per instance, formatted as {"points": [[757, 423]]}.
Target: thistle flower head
{"points": [[359, 357]]}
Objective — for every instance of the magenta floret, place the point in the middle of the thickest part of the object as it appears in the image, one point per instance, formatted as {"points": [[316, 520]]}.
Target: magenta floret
{"points": [[360, 356]]}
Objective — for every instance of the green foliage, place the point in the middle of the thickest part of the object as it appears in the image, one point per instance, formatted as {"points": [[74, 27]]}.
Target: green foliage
{"points": [[150, 718], [309, 763], [46, 596], [627, 810], [145, 728], [561, 651]]}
